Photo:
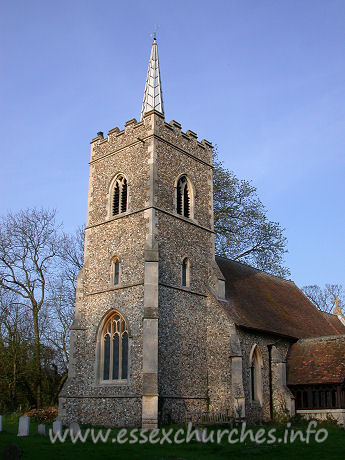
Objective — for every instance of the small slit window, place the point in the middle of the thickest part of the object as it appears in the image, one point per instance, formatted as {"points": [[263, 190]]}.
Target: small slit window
{"points": [[115, 271], [119, 195], [185, 272], [184, 197], [115, 349]]}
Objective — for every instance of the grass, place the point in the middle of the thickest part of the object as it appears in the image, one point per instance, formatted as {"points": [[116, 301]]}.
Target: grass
{"points": [[37, 447]]}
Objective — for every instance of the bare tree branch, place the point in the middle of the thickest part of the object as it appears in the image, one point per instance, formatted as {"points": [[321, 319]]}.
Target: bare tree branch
{"points": [[324, 298]]}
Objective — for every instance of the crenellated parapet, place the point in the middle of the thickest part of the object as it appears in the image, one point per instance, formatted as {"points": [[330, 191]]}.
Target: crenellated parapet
{"points": [[133, 133], [187, 141], [153, 124]]}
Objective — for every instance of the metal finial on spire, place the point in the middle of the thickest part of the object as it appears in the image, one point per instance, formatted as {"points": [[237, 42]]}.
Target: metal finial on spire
{"points": [[154, 31], [153, 96]]}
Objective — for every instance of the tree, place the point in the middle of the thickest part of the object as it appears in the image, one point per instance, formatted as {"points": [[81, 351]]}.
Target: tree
{"points": [[61, 301], [72, 254], [324, 298], [39, 265], [243, 231], [29, 246], [15, 348]]}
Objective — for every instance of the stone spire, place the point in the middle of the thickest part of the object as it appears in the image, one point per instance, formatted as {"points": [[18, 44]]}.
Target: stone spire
{"points": [[153, 96]]}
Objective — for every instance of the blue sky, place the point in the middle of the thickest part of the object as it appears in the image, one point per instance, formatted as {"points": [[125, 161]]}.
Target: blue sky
{"points": [[264, 80]]}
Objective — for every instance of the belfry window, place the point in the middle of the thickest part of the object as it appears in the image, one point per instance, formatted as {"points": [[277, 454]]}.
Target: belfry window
{"points": [[115, 271], [119, 198], [185, 275], [184, 197], [115, 349]]}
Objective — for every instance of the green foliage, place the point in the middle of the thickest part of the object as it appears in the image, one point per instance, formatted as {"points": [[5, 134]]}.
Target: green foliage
{"points": [[243, 231], [38, 270], [17, 391]]}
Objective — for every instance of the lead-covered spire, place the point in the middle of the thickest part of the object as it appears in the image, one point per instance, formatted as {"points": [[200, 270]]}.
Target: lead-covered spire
{"points": [[153, 96]]}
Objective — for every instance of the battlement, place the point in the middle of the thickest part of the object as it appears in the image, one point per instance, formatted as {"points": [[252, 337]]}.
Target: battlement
{"points": [[187, 141], [152, 124], [189, 134]]}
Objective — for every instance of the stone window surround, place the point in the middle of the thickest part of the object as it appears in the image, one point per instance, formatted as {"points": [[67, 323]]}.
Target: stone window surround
{"points": [[191, 198], [110, 196], [99, 382], [188, 277], [115, 259], [255, 355]]}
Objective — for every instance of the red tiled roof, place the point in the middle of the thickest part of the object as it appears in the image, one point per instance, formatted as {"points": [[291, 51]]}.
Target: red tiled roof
{"points": [[335, 321], [261, 301], [316, 361]]}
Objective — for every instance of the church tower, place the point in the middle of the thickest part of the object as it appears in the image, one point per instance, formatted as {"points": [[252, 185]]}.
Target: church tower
{"points": [[138, 341]]}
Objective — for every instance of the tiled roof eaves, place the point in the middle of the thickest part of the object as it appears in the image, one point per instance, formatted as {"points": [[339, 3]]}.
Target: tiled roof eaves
{"points": [[268, 303], [317, 360]]}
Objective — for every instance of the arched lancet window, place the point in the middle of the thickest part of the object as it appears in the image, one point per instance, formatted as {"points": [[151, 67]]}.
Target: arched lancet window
{"points": [[185, 272], [184, 197], [114, 350], [119, 195], [256, 365], [115, 271]]}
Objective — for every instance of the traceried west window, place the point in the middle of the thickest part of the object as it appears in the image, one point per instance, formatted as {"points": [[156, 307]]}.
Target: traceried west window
{"points": [[184, 197], [115, 271], [185, 275], [114, 349], [119, 195]]}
